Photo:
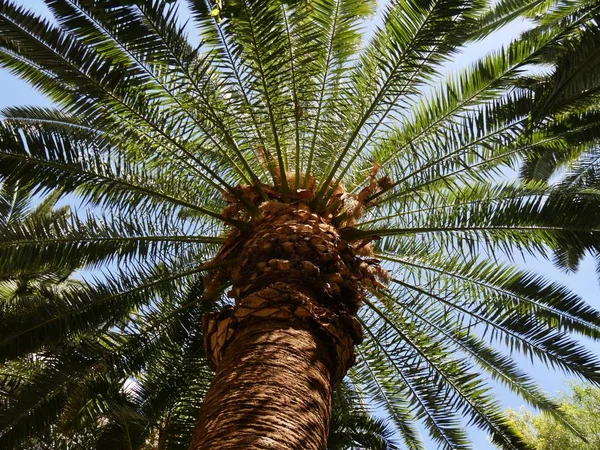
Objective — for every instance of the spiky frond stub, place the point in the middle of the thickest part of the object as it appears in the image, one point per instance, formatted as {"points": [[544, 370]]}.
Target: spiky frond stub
{"points": [[173, 153]]}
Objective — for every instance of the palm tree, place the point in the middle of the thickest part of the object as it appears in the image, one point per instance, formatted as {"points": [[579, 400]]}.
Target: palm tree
{"points": [[25, 283], [345, 218], [155, 410]]}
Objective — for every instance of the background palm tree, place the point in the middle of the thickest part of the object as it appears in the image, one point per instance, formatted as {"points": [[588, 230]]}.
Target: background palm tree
{"points": [[183, 159]]}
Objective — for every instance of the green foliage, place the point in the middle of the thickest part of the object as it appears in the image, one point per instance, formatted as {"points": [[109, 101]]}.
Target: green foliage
{"points": [[564, 129], [581, 405], [352, 425], [566, 97], [151, 135]]}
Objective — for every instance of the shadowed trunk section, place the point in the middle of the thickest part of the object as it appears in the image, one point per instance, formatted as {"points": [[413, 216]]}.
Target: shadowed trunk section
{"points": [[272, 390]]}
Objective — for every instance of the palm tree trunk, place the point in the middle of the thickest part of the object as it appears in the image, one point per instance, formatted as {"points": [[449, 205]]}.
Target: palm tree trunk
{"points": [[272, 390], [289, 338]]}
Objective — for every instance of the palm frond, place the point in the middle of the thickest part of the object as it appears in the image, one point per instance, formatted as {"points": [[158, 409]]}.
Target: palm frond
{"points": [[416, 39]]}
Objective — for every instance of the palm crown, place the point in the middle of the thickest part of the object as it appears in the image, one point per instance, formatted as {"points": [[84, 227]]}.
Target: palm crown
{"points": [[175, 153]]}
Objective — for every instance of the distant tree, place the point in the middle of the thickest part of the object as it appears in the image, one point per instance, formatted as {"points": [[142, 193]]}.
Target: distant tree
{"points": [[543, 432]]}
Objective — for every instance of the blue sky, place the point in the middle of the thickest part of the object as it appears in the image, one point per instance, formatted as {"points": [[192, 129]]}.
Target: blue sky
{"points": [[584, 282]]}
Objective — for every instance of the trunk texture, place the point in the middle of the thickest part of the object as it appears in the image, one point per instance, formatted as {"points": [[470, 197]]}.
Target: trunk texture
{"points": [[272, 390], [290, 336]]}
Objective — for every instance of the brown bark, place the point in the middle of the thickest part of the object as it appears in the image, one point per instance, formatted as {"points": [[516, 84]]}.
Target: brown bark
{"points": [[272, 390], [288, 339]]}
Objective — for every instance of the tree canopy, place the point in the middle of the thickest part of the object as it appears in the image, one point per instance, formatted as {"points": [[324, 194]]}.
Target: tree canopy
{"points": [[581, 405], [168, 151]]}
